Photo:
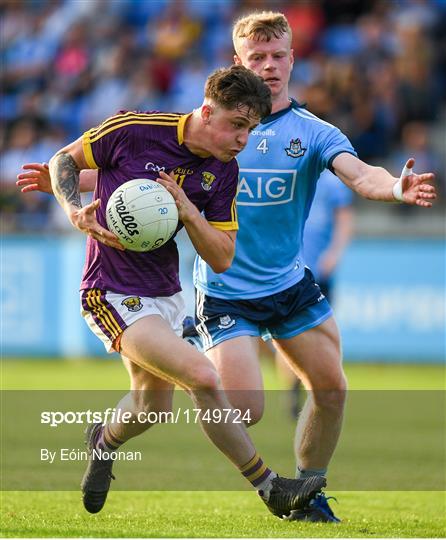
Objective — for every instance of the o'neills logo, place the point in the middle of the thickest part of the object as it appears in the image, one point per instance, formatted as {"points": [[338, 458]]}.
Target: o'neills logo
{"points": [[126, 218]]}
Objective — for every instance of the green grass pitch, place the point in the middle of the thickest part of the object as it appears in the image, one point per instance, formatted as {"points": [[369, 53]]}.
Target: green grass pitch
{"points": [[374, 514]]}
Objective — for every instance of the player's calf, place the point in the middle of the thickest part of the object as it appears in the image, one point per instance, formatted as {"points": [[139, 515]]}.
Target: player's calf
{"points": [[149, 406]]}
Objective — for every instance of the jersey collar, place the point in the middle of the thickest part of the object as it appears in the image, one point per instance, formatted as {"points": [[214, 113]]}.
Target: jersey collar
{"points": [[293, 105], [180, 127]]}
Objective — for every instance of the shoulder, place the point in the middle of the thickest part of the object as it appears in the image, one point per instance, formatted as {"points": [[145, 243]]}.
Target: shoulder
{"points": [[134, 121], [153, 118], [226, 173], [229, 168], [232, 169], [310, 120]]}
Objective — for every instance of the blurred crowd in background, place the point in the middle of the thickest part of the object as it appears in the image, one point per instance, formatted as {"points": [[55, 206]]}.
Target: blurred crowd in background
{"points": [[374, 68]]}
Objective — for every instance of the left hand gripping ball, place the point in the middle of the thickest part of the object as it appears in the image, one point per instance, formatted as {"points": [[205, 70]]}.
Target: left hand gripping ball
{"points": [[142, 214]]}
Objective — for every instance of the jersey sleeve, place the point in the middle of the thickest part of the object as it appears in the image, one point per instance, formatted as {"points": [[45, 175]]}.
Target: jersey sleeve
{"points": [[120, 137], [221, 211], [103, 145], [331, 143]]}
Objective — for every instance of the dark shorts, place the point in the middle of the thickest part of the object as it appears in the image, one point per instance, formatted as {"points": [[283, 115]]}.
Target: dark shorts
{"points": [[279, 316]]}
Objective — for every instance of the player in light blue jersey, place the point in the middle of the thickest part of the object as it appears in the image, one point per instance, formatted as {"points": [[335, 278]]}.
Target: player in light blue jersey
{"points": [[268, 291], [289, 149]]}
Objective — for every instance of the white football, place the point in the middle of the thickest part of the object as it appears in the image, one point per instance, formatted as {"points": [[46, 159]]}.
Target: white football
{"points": [[142, 214]]}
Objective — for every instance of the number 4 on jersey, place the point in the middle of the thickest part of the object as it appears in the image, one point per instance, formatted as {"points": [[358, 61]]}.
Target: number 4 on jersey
{"points": [[263, 146]]}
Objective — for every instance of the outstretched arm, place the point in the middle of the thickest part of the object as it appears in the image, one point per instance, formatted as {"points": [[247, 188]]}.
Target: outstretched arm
{"points": [[377, 183], [38, 179], [64, 168]]}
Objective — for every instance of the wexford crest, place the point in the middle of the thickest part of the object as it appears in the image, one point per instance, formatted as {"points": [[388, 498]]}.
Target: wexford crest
{"points": [[295, 149], [206, 180], [132, 303]]}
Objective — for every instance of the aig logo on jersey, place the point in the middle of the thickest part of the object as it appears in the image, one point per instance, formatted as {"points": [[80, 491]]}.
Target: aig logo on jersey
{"points": [[258, 187]]}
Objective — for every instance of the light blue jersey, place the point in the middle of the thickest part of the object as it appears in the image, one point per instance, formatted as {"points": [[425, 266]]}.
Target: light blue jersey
{"points": [[279, 169], [331, 194]]}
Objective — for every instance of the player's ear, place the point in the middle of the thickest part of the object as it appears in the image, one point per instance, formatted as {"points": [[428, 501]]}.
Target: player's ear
{"points": [[292, 57], [206, 111], [237, 60]]}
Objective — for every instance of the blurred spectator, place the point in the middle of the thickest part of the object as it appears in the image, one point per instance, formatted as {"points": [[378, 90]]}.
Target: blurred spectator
{"points": [[111, 91], [174, 33], [23, 146], [173, 36], [189, 81], [415, 142], [73, 57], [307, 20], [417, 96]]}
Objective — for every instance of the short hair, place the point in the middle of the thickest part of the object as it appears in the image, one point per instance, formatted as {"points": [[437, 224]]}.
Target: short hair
{"points": [[238, 86], [261, 26]]}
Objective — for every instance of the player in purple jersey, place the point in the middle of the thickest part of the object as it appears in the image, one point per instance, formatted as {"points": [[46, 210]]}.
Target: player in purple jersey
{"points": [[144, 145], [131, 301]]}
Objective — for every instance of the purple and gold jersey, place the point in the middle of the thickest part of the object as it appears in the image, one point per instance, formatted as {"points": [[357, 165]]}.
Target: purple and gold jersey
{"points": [[139, 145]]}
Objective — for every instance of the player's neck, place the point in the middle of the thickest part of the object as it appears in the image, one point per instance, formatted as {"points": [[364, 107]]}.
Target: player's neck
{"points": [[193, 133], [280, 103]]}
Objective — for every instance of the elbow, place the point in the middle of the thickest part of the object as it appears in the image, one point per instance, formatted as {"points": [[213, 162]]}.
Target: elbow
{"points": [[222, 257], [222, 265], [52, 163], [52, 160]]}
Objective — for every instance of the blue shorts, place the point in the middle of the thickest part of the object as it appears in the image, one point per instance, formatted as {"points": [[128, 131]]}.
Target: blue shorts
{"points": [[279, 316]]}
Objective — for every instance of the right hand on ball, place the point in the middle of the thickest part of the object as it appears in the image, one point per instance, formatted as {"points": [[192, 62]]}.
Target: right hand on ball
{"points": [[84, 219], [186, 209]]}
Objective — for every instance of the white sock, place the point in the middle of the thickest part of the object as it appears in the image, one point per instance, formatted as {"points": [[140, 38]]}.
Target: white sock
{"points": [[264, 488]]}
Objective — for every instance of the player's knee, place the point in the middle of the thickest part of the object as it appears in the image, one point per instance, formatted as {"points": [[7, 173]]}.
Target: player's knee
{"points": [[333, 396], [252, 414], [206, 377], [249, 404]]}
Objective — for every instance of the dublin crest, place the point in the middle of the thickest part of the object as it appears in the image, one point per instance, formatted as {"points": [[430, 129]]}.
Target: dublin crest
{"points": [[226, 322], [295, 149]]}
